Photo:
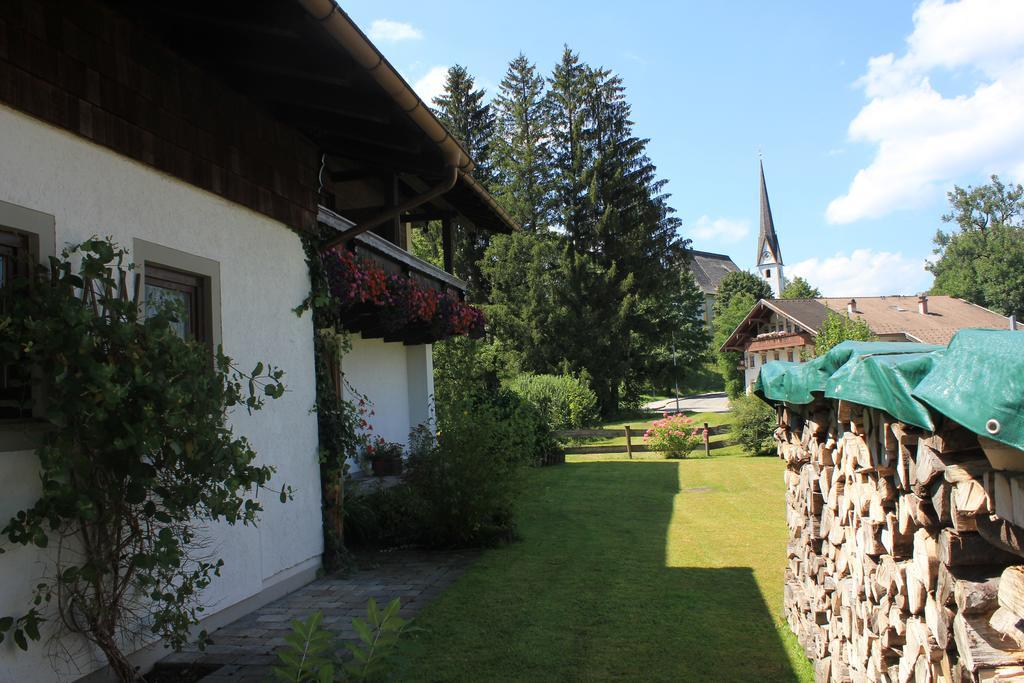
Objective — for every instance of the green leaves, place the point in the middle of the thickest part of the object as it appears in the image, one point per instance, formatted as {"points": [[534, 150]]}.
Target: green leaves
{"points": [[311, 653], [140, 456], [839, 328]]}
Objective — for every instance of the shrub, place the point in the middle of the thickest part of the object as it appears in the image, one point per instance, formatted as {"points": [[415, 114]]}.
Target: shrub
{"points": [[565, 401], [464, 483], [755, 423], [675, 436]]}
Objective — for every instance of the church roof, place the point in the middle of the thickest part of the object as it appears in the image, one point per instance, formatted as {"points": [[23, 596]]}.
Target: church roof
{"points": [[767, 242], [709, 268]]}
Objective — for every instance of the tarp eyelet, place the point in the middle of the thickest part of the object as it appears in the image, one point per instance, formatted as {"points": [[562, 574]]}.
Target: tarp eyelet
{"points": [[992, 426]]}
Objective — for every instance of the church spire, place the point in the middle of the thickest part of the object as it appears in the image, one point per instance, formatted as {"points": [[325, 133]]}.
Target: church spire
{"points": [[769, 256], [767, 242]]}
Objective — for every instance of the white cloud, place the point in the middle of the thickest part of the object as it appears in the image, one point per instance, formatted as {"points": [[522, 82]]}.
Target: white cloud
{"points": [[926, 139], [431, 84], [388, 31], [726, 230], [864, 272]]}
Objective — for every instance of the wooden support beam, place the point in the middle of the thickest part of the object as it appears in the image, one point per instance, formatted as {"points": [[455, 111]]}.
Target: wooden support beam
{"points": [[448, 243]]}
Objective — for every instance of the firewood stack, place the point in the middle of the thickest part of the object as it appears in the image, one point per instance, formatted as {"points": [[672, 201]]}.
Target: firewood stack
{"points": [[906, 552]]}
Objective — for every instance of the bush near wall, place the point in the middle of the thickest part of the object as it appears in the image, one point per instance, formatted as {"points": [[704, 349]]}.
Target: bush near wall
{"points": [[565, 401], [459, 488], [755, 423]]}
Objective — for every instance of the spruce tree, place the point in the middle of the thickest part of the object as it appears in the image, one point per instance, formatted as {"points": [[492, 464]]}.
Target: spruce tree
{"points": [[622, 250], [521, 152], [462, 108]]}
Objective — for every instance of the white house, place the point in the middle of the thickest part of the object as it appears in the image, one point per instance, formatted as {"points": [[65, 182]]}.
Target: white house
{"points": [[207, 138]]}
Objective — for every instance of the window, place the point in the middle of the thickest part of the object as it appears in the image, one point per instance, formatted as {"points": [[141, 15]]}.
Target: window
{"points": [[189, 292], [15, 384], [777, 355], [750, 360], [764, 358], [790, 355], [192, 282]]}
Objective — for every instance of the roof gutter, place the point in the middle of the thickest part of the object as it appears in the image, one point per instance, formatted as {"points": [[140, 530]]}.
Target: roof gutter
{"points": [[347, 34], [396, 211], [490, 201]]}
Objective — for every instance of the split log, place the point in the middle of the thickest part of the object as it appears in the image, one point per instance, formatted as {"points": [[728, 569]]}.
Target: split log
{"points": [[1011, 589], [1006, 539], [981, 646], [1008, 624], [959, 550]]}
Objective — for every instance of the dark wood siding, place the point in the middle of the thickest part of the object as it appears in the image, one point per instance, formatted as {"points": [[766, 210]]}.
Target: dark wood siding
{"points": [[80, 66]]}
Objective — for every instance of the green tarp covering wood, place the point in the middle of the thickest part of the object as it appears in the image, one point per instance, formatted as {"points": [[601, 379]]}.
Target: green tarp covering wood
{"points": [[977, 382], [797, 382], [885, 382]]}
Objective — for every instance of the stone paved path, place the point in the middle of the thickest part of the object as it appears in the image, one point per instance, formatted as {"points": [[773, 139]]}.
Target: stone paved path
{"points": [[245, 648]]}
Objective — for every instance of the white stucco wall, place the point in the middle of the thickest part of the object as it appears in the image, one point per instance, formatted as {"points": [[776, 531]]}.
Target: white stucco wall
{"points": [[91, 190], [397, 379]]}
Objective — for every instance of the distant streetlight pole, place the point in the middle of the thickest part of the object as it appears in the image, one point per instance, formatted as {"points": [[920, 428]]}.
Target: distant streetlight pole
{"points": [[675, 371]]}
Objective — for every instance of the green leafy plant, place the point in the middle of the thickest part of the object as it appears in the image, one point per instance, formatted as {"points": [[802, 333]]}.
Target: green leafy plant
{"points": [[372, 654], [839, 328], [312, 653], [138, 458], [755, 423], [565, 401], [309, 654], [674, 436]]}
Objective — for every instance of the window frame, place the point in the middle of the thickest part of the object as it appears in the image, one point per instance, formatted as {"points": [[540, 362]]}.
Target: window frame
{"points": [[149, 255], [36, 231], [197, 289]]}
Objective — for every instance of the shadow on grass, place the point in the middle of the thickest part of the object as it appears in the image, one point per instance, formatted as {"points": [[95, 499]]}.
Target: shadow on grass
{"points": [[588, 595]]}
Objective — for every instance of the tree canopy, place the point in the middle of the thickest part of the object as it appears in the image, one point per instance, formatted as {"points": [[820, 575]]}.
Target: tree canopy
{"points": [[981, 262], [839, 328], [799, 288], [726, 320], [740, 282]]}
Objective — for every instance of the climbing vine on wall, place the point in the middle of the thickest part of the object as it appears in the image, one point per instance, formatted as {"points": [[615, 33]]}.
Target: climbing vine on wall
{"points": [[138, 456]]}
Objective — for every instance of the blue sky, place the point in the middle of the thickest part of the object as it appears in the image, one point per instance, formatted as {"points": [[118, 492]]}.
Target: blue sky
{"points": [[866, 112]]}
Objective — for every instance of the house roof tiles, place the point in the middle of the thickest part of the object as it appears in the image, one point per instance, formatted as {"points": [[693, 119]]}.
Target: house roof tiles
{"points": [[709, 268]]}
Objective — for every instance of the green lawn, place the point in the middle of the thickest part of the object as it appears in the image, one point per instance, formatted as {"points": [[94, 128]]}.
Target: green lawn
{"points": [[643, 570]]}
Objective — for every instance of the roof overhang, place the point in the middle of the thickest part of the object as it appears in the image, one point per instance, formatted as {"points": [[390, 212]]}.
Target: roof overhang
{"points": [[309, 65], [760, 311]]}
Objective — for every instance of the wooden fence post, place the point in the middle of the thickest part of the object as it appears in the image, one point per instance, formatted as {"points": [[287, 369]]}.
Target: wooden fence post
{"points": [[707, 441], [629, 442]]}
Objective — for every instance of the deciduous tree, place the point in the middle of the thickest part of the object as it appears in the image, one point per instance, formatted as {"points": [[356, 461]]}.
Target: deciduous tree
{"points": [[740, 282], [982, 262], [839, 328], [799, 288]]}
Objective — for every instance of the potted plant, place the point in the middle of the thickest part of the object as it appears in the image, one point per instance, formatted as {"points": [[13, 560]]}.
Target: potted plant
{"points": [[385, 458]]}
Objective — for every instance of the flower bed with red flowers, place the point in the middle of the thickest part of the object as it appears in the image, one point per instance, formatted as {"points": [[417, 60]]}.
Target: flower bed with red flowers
{"points": [[361, 287]]}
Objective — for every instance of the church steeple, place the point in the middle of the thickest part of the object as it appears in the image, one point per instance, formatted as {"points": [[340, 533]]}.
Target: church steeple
{"points": [[769, 256]]}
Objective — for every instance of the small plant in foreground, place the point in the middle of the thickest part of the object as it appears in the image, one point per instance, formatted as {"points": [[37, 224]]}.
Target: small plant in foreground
{"points": [[675, 436], [755, 425], [312, 654]]}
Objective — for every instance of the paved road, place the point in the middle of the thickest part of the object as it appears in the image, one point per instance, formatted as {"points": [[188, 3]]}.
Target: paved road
{"points": [[716, 402]]}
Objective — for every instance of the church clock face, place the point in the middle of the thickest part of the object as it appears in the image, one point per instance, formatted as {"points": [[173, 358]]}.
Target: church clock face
{"points": [[766, 256]]}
